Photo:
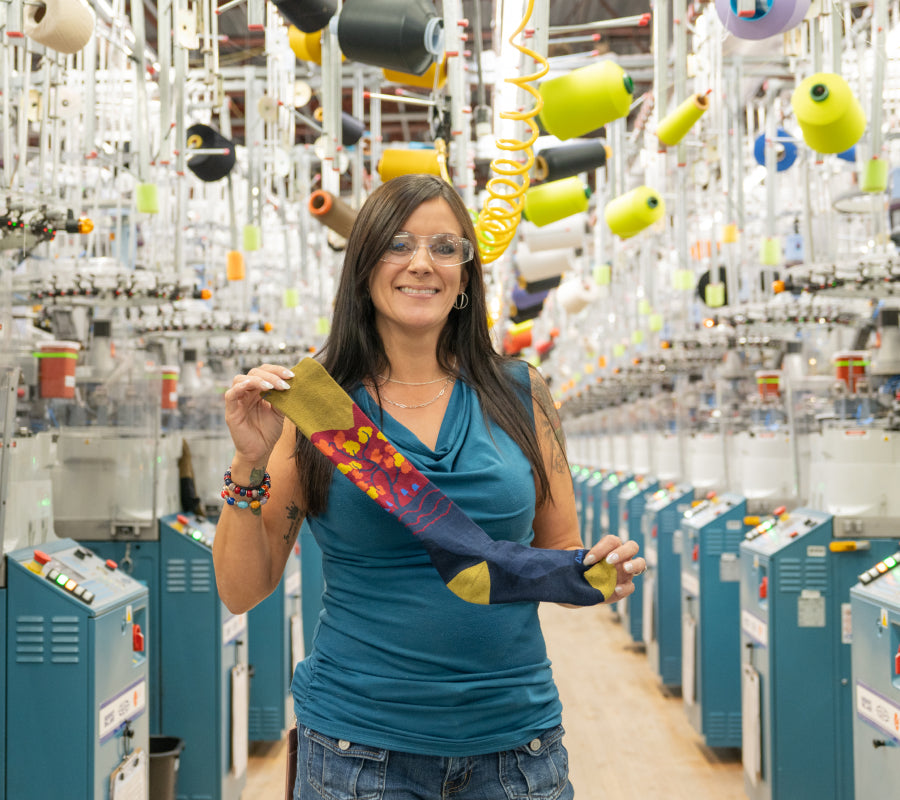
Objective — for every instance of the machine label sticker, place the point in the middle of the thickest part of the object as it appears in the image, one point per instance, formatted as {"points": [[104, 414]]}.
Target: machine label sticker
{"points": [[729, 568], [810, 610], [755, 628], [733, 525], [878, 711], [130, 703], [292, 584], [816, 551], [846, 624], [233, 627], [690, 583], [650, 556], [676, 541]]}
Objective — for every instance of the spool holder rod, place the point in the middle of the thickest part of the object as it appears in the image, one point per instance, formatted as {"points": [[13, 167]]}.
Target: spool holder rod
{"points": [[636, 21], [401, 98]]}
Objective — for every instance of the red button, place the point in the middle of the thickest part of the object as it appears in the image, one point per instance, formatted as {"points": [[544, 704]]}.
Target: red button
{"points": [[764, 588], [110, 564], [182, 519], [779, 511], [137, 638], [897, 662], [696, 554], [41, 557], [653, 532]]}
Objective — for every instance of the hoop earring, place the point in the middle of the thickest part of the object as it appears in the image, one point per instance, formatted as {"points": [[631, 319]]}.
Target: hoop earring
{"points": [[462, 300]]}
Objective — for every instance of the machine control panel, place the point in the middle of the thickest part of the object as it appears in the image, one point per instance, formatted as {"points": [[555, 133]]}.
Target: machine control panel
{"points": [[705, 511], [199, 530], [887, 566], [773, 532], [79, 573]]}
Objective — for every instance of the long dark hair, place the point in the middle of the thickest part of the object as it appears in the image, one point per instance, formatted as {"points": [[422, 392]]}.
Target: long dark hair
{"points": [[354, 352]]}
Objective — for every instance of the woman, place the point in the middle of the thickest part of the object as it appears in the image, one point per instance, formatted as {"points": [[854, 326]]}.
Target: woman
{"points": [[411, 692]]}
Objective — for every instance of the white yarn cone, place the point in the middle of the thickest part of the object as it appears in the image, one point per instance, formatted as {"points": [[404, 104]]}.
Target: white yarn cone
{"points": [[62, 25]]}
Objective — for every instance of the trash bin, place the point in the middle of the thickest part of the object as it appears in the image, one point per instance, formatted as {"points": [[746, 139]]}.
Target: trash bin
{"points": [[164, 754]]}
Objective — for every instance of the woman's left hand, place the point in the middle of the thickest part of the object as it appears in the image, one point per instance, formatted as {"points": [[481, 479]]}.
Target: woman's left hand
{"points": [[625, 557]]}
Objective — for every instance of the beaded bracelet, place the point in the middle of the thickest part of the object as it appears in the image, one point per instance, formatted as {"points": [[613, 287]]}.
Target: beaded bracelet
{"points": [[257, 495]]}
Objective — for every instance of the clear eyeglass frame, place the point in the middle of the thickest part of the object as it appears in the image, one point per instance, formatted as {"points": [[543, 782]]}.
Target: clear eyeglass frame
{"points": [[461, 251]]}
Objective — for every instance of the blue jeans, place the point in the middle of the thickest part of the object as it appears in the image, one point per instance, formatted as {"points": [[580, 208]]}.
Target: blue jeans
{"points": [[339, 770]]}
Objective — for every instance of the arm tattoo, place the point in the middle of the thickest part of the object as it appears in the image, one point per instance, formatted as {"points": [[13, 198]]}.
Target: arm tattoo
{"points": [[550, 425], [295, 519]]}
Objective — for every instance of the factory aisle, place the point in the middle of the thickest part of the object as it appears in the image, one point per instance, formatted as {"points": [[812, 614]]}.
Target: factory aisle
{"points": [[626, 740]]}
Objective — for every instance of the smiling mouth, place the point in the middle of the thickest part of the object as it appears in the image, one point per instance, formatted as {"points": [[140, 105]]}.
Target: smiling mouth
{"points": [[418, 292]]}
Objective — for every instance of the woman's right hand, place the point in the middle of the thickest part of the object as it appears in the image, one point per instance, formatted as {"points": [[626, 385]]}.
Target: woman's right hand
{"points": [[254, 425]]}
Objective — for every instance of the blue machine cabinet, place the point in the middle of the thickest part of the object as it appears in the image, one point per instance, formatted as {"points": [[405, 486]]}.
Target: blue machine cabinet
{"points": [[875, 655], [710, 602], [76, 659], [662, 581], [273, 624], [204, 676], [795, 594], [593, 503], [632, 500], [3, 691], [580, 476], [139, 558], [610, 489]]}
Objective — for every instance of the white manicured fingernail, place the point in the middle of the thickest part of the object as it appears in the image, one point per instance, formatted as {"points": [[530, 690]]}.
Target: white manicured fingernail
{"points": [[612, 558], [628, 566], [266, 385], [283, 385], [286, 373], [589, 559]]}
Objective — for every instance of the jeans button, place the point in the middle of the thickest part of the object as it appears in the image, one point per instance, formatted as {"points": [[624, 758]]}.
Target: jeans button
{"points": [[344, 744], [535, 745]]}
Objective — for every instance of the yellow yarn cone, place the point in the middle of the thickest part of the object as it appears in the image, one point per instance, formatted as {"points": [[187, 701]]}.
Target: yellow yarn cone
{"points": [[555, 200], [829, 115], [633, 211], [395, 162], [425, 81], [585, 99], [146, 197], [673, 127], [875, 177]]}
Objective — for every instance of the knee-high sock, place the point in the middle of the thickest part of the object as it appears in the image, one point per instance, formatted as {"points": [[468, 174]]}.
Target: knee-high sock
{"points": [[475, 567]]}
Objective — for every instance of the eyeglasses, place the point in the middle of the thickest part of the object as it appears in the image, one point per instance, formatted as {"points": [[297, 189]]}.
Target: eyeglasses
{"points": [[444, 249]]}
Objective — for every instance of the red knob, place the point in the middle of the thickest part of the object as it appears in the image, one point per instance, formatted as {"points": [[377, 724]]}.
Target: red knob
{"points": [[897, 662], [695, 555], [764, 588], [110, 564], [41, 557], [137, 638]]}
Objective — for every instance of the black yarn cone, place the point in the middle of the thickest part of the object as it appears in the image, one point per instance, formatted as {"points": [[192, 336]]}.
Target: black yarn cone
{"points": [[308, 15]]}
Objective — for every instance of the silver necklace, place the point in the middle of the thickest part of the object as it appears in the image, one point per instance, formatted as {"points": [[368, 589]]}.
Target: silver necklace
{"points": [[447, 382], [413, 383]]}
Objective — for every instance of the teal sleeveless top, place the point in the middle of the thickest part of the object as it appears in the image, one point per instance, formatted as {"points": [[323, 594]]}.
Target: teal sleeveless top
{"points": [[400, 662]]}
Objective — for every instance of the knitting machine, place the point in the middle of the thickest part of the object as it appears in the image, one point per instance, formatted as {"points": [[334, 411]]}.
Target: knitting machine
{"points": [[662, 580], [797, 707], [710, 578], [632, 500], [201, 638], [610, 489], [875, 655], [593, 508], [77, 656]]}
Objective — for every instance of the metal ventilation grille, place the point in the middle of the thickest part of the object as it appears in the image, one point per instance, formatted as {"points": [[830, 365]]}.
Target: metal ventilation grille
{"points": [[29, 640], [65, 640], [176, 575], [201, 575]]}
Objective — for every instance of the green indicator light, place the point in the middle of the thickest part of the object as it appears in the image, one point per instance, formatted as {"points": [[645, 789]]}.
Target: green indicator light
{"points": [[197, 534], [61, 579], [891, 562]]}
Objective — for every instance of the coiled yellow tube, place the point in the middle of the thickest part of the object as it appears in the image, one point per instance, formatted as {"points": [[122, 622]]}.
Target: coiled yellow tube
{"points": [[498, 219]]}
